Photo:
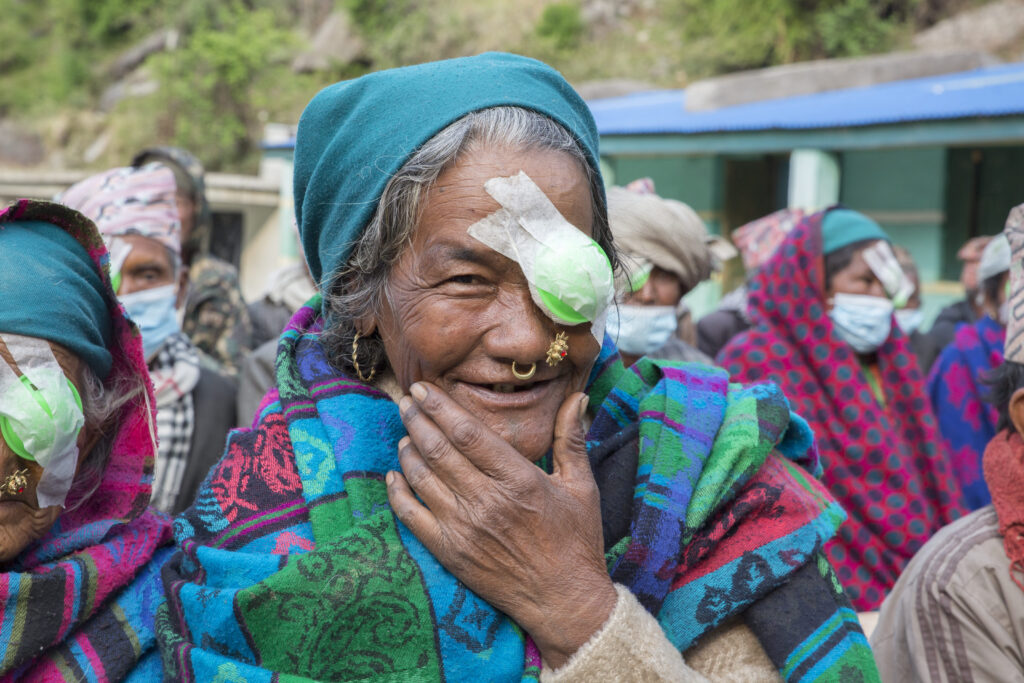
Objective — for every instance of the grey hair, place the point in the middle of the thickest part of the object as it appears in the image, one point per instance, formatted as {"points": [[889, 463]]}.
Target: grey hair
{"points": [[360, 287], [102, 406]]}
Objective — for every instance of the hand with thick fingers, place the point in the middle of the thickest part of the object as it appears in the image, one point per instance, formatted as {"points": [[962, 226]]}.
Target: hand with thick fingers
{"points": [[528, 542]]}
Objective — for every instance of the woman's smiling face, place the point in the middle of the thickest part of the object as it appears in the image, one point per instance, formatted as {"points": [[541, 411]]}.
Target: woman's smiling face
{"points": [[459, 313]]}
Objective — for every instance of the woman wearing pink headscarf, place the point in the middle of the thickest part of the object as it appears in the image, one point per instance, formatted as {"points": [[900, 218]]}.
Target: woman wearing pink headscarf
{"points": [[136, 211]]}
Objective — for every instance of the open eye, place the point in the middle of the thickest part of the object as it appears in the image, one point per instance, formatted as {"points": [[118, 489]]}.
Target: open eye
{"points": [[465, 279]]}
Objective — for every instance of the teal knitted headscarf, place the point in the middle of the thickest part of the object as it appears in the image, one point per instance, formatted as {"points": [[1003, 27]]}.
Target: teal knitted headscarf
{"points": [[842, 227], [52, 290], [355, 135]]}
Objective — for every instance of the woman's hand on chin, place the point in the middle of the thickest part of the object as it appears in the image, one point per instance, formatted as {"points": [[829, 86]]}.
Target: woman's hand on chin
{"points": [[528, 542]]}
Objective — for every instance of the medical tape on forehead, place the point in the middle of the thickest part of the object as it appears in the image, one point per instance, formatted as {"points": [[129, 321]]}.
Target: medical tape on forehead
{"points": [[48, 423], [119, 250], [569, 275], [883, 263]]}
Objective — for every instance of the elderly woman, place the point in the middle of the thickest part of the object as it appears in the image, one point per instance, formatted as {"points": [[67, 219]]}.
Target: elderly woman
{"points": [[666, 252], [79, 548], [956, 384], [417, 500], [823, 330]]}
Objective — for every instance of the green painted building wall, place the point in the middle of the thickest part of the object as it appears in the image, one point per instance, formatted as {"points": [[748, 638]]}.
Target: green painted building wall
{"points": [[905, 191], [695, 180]]}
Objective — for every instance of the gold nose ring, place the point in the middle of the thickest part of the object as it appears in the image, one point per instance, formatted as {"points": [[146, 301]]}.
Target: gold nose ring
{"points": [[523, 375]]}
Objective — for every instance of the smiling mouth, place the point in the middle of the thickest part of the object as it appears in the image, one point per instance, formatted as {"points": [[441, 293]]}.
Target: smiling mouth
{"points": [[512, 394], [509, 388]]}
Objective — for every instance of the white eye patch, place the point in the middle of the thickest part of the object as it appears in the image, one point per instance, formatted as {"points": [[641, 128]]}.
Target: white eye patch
{"points": [[569, 274], [883, 263]]}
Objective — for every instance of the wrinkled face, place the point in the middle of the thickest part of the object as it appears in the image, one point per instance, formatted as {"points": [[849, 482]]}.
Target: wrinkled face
{"points": [[461, 313], [149, 265], [661, 289], [21, 519], [857, 278]]}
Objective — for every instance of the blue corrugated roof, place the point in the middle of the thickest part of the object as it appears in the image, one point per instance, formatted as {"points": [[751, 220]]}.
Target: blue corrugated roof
{"points": [[990, 91]]}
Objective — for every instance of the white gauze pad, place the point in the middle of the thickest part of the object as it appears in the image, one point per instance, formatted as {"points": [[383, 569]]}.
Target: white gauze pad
{"points": [[569, 274], [886, 267]]}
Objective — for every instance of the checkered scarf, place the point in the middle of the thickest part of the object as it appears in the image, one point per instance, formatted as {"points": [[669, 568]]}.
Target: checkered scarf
{"points": [[175, 373]]}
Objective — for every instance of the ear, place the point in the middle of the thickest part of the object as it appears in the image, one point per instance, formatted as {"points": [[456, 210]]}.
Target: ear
{"points": [[1016, 410], [366, 325], [182, 288]]}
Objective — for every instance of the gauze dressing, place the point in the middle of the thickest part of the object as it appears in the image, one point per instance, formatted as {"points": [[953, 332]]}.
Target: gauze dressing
{"points": [[884, 264], [569, 275], [42, 415]]}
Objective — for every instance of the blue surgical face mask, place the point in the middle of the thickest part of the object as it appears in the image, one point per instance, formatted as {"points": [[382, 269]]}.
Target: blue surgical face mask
{"points": [[640, 330], [863, 322], [909, 319], [153, 311]]}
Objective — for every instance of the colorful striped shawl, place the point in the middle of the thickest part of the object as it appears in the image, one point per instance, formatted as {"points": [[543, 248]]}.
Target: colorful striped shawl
{"points": [[967, 421], [886, 465], [79, 603], [293, 567]]}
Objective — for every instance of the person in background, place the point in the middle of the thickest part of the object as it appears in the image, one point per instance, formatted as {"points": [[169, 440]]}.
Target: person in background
{"points": [[823, 331], [290, 288], [215, 318], [666, 252], [957, 611], [962, 312], [136, 211], [287, 289], [756, 242], [956, 383], [80, 550], [911, 315]]}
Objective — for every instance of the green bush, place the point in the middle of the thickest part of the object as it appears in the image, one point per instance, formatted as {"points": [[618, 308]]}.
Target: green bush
{"points": [[729, 35], [213, 87], [562, 24]]}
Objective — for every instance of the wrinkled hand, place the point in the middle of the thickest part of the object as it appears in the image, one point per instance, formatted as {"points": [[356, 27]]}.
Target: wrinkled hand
{"points": [[528, 542]]}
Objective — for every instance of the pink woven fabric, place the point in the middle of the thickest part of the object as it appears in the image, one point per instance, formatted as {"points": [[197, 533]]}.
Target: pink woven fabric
{"points": [[885, 464]]}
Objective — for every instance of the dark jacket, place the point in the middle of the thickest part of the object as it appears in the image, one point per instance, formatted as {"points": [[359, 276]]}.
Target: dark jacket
{"points": [[214, 401], [942, 332]]}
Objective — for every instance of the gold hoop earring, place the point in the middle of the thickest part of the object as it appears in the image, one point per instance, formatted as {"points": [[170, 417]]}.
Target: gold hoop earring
{"points": [[15, 483], [558, 350], [523, 375], [355, 361]]}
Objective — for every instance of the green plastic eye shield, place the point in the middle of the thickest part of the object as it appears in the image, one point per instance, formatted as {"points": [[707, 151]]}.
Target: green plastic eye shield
{"points": [[569, 274], [33, 401], [41, 415]]}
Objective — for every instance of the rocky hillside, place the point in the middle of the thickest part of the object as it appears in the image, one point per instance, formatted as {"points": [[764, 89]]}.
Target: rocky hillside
{"points": [[83, 83]]}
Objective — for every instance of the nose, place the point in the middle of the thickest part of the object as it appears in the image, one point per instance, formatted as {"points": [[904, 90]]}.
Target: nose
{"points": [[645, 296], [522, 333]]}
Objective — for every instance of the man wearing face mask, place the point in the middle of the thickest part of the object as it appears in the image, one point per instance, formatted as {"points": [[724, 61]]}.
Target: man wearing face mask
{"points": [[822, 311], [137, 214], [666, 251], [957, 382]]}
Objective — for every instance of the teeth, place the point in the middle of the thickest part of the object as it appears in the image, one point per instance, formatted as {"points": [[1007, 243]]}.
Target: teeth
{"points": [[504, 388]]}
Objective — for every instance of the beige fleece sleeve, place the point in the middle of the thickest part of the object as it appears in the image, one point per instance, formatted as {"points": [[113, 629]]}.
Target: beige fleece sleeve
{"points": [[629, 647], [732, 652]]}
